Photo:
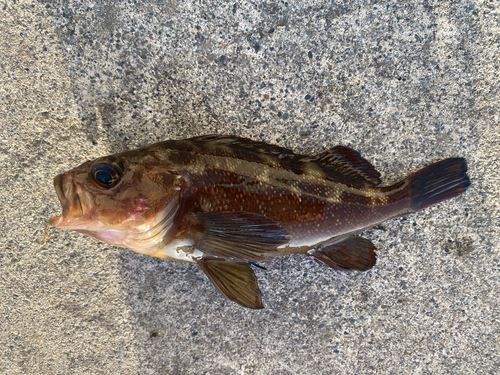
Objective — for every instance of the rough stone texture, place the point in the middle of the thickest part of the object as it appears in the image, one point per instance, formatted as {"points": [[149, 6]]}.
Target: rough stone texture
{"points": [[404, 82]]}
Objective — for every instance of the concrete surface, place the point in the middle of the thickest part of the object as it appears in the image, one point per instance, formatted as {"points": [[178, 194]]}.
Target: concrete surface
{"points": [[404, 82]]}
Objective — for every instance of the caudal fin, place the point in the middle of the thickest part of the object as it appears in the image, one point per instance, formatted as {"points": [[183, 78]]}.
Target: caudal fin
{"points": [[438, 182]]}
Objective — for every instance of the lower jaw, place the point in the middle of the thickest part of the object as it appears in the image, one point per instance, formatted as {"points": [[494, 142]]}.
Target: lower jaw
{"points": [[83, 222], [55, 221]]}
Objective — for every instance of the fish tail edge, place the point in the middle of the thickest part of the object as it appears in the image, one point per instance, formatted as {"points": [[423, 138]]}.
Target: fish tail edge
{"points": [[438, 182]]}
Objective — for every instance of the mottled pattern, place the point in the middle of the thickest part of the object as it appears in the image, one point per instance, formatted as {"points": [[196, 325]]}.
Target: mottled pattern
{"points": [[155, 209], [225, 199]]}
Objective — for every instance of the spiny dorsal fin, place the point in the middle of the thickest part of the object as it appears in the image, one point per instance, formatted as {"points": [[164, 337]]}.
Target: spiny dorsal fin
{"points": [[244, 145], [236, 280], [339, 163]]}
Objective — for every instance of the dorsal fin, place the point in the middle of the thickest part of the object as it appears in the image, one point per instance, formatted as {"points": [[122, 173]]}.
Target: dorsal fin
{"points": [[339, 163], [245, 145], [346, 165]]}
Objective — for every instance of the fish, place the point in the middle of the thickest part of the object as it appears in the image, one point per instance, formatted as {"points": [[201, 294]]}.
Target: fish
{"points": [[228, 203]]}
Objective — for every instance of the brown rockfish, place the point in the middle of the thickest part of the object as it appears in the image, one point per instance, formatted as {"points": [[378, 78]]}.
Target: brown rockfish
{"points": [[225, 202]]}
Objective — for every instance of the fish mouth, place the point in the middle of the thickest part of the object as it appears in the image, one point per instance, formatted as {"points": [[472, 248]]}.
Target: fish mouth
{"points": [[70, 201]]}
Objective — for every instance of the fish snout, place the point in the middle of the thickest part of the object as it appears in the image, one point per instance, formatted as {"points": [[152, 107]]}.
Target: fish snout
{"points": [[66, 191]]}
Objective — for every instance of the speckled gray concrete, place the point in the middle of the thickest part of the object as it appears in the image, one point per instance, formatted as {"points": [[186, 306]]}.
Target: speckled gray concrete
{"points": [[406, 83]]}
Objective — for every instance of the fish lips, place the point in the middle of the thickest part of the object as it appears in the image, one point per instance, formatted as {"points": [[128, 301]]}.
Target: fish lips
{"points": [[70, 201]]}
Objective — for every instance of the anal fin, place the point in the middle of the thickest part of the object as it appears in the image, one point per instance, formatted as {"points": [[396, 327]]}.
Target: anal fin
{"points": [[236, 280], [352, 253]]}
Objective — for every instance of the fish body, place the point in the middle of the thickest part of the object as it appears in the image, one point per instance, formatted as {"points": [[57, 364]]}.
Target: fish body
{"points": [[225, 202]]}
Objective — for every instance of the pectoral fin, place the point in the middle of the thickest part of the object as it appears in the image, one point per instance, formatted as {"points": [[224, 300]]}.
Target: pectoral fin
{"points": [[236, 280], [239, 235], [352, 253]]}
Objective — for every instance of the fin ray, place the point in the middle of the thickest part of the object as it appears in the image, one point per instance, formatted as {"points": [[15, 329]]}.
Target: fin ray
{"points": [[352, 253], [346, 165], [236, 280], [438, 182], [239, 235]]}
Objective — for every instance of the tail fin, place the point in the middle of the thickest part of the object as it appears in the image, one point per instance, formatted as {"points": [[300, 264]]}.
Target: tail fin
{"points": [[438, 182]]}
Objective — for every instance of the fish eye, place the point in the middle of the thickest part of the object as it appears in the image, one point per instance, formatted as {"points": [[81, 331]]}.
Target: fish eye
{"points": [[105, 176]]}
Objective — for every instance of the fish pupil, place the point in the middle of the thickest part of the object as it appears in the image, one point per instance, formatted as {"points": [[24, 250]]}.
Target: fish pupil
{"points": [[104, 177]]}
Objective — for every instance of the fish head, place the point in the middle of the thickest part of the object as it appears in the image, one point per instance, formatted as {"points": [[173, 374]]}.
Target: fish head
{"points": [[114, 197]]}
